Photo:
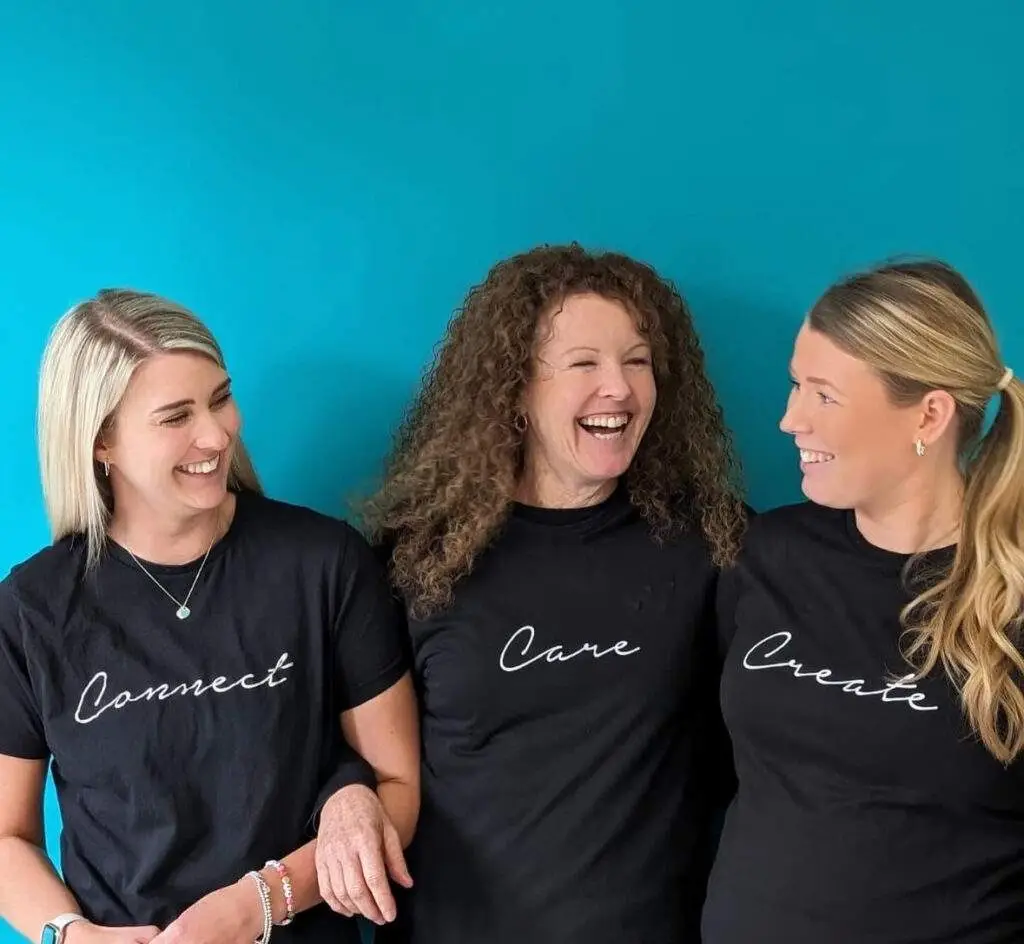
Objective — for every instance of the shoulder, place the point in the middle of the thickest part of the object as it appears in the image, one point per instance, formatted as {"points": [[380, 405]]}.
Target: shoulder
{"points": [[48, 577], [57, 558], [38, 593], [305, 531], [684, 549], [802, 522], [290, 521]]}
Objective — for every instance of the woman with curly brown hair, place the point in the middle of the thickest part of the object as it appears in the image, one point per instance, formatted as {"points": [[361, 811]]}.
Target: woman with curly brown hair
{"points": [[556, 508]]}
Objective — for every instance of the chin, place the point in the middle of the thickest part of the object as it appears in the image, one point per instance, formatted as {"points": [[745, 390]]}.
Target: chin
{"points": [[607, 473], [204, 495], [206, 503], [828, 498]]}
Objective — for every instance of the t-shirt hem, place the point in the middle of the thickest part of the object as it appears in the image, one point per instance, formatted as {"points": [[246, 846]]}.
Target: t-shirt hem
{"points": [[384, 681], [24, 753]]}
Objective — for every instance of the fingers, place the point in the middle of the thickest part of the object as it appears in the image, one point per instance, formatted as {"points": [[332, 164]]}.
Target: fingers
{"points": [[394, 858], [339, 880], [375, 873], [358, 890], [357, 849], [331, 894]]}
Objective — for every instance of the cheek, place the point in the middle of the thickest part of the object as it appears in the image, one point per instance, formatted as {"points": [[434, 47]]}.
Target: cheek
{"points": [[152, 456], [874, 445], [555, 403], [231, 420], [645, 391]]}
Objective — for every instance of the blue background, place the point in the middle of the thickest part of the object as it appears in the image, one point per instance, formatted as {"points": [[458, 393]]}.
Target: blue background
{"points": [[321, 181]]}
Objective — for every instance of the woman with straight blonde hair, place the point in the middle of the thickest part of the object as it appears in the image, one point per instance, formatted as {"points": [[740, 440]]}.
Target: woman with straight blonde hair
{"points": [[182, 653], [873, 678]]}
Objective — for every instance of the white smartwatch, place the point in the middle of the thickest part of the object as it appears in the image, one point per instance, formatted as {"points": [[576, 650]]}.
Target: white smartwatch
{"points": [[54, 929]]}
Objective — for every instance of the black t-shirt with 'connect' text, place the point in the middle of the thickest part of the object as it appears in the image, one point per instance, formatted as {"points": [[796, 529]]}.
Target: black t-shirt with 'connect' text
{"points": [[187, 752]]}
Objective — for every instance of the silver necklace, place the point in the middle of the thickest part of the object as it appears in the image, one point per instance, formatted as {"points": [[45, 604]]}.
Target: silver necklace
{"points": [[183, 612]]}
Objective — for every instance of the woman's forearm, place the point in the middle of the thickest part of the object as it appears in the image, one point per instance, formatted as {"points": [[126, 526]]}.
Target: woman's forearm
{"points": [[30, 891], [301, 868], [401, 801]]}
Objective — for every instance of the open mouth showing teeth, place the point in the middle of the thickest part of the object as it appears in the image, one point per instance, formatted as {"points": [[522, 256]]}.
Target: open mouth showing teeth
{"points": [[811, 456], [200, 468], [605, 425]]}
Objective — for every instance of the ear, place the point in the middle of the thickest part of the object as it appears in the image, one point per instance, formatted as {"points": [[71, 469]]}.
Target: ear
{"points": [[101, 450], [938, 411]]}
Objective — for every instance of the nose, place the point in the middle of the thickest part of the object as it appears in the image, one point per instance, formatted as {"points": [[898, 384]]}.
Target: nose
{"points": [[795, 421], [614, 383], [211, 434]]}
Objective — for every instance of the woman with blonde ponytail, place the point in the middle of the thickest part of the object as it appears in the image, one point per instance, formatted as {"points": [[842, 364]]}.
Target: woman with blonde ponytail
{"points": [[873, 668]]}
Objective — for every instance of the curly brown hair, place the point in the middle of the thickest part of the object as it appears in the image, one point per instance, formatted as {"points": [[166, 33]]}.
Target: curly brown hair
{"points": [[452, 475]]}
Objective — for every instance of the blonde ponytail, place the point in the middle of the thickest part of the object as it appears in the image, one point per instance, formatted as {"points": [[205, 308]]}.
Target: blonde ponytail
{"points": [[971, 620], [921, 327]]}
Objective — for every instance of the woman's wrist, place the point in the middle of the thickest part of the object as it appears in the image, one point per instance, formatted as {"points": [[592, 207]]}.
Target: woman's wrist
{"points": [[251, 901]]}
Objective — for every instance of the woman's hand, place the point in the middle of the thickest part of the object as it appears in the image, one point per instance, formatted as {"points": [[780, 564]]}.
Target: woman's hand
{"points": [[357, 849], [230, 915]]}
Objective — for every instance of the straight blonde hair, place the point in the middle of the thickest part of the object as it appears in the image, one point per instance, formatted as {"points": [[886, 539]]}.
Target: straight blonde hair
{"points": [[89, 360], [922, 328]]}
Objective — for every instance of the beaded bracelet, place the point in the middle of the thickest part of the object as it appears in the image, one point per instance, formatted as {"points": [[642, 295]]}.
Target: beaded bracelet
{"points": [[286, 887], [268, 918]]}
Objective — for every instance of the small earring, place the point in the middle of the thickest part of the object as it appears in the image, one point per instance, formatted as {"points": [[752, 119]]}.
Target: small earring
{"points": [[919, 447], [106, 468], [520, 422]]}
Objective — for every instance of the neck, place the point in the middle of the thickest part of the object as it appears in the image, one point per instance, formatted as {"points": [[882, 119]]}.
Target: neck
{"points": [[165, 539], [548, 491], [924, 516]]}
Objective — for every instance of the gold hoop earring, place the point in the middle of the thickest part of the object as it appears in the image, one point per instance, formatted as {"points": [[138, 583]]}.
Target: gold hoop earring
{"points": [[919, 447]]}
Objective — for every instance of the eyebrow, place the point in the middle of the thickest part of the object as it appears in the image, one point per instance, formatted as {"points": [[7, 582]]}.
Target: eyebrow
{"points": [[178, 404], [594, 350], [819, 381]]}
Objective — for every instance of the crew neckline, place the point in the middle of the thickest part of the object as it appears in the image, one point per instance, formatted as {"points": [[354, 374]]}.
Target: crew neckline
{"points": [[569, 517], [896, 560]]}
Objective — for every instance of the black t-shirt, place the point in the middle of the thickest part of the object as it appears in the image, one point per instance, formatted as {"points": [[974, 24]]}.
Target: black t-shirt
{"points": [[186, 753], [867, 812], [563, 713]]}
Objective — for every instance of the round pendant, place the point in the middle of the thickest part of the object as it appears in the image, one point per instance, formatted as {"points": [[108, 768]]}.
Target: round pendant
{"points": [[183, 612]]}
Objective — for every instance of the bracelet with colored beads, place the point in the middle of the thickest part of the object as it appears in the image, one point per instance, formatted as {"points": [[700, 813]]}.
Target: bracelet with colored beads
{"points": [[286, 887]]}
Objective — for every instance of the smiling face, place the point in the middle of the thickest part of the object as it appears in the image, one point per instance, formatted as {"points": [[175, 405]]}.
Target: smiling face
{"points": [[588, 403], [172, 438], [856, 445]]}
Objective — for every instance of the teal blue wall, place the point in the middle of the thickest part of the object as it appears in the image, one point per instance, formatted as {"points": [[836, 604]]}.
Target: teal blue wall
{"points": [[322, 180]]}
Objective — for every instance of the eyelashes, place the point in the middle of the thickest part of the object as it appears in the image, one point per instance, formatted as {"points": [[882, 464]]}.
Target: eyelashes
{"points": [[179, 419], [632, 362], [822, 396]]}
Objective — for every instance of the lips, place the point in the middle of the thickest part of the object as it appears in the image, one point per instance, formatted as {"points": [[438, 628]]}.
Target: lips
{"points": [[605, 425], [815, 456], [203, 467]]}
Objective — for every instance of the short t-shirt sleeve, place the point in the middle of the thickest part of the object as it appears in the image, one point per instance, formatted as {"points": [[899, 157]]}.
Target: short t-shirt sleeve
{"points": [[21, 730], [370, 655]]}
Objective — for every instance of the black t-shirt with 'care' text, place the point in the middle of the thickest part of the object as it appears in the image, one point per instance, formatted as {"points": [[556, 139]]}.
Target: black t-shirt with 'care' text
{"points": [[565, 701]]}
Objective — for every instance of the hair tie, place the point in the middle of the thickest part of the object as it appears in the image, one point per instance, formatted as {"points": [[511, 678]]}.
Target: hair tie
{"points": [[1004, 381]]}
